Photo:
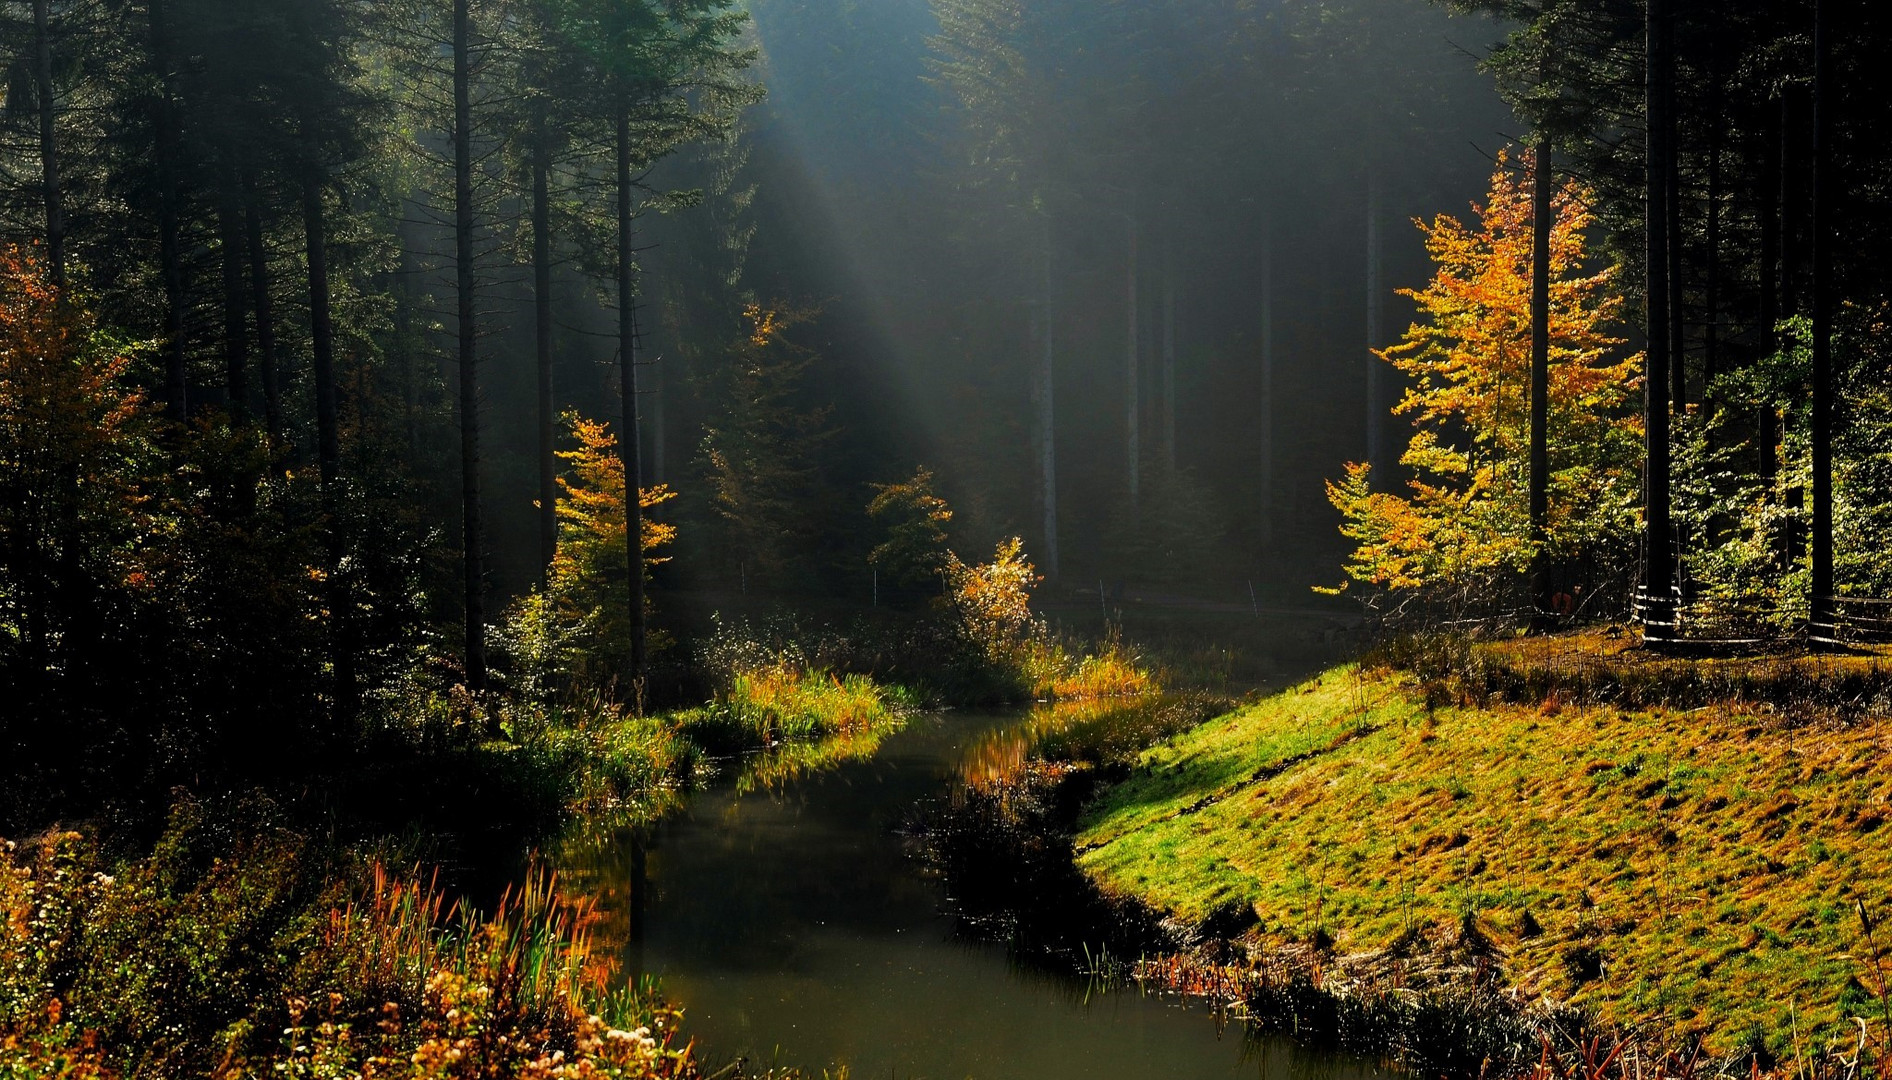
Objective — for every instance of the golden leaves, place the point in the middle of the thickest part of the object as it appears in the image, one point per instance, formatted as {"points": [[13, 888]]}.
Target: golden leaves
{"points": [[1468, 357]]}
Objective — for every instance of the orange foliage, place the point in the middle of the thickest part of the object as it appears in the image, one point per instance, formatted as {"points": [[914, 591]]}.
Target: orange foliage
{"points": [[71, 442], [585, 588], [1468, 359], [592, 509]]}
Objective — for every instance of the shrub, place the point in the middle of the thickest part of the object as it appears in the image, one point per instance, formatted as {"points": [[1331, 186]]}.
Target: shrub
{"points": [[241, 948]]}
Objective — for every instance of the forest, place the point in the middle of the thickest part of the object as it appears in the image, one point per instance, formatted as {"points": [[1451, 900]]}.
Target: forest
{"points": [[776, 538]]}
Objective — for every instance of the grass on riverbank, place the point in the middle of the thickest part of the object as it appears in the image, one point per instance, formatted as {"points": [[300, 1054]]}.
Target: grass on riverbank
{"points": [[1701, 871]]}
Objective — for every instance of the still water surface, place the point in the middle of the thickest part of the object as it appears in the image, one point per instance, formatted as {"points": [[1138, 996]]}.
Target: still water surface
{"points": [[796, 927]]}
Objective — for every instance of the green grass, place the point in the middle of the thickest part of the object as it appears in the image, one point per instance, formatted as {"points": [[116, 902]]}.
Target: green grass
{"points": [[1696, 870]]}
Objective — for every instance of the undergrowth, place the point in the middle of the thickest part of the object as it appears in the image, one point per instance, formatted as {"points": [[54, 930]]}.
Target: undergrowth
{"points": [[240, 947]]}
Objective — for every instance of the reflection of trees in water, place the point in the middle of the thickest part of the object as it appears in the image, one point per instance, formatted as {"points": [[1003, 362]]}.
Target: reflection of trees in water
{"points": [[602, 860], [784, 762], [1065, 732], [604, 867]]}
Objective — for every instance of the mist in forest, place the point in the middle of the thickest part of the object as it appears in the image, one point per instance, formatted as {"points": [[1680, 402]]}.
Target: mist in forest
{"points": [[1112, 272]]}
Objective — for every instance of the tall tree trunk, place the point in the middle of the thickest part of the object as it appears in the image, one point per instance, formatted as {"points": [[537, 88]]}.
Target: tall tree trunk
{"points": [[542, 327], [170, 254], [1658, 585], [1133, 375], [1542, 220], [321, 329], [1265, 496], [1822, 628], [49, 144], [630, 438], [1677, 305], [262, 305], [1376, 406], [328, 437], [1792, 216], [1711, 288], [475, 578], [1045, 402], [1789, 202], [1767, 424], [236, 330], [652, 387], [1169, 349]]}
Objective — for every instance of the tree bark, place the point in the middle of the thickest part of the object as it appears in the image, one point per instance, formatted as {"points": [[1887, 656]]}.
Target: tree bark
{"points": [[1133, 376], [1822, 628], [475, 578], [629, 440], [321, 330], [1677, 304], [1266, 495], [1169, 350], [542, 312], [1789, 204], [170, 255], [1045, 401], [236, 336], [49, 144], [262, 305], [1376, 406], [1768, 199], [1711, 280], [328, 437], [1658, 599], [1542, 220], [651, 388]]}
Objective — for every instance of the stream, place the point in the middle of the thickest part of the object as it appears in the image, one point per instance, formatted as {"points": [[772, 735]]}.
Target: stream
{"points": [[796, 926]]}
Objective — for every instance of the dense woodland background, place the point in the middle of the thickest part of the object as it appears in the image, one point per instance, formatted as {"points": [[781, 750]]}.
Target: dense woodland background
{"points": [[1113, 271]]}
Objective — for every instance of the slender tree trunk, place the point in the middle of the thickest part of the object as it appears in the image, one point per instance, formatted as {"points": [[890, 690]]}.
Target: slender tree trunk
{"points": [[630, 438], [1658, 597], [1169, 350], [652, 388], [236, 330], [1266, 496], [1133, 375], [1376, 407], [328, 437], [1822, 629], [1542, 219], [1789, 204], [542, 313], [321, 330], [1677, 305], [49, 144], [1711, 289], [1045, 400], [1766, 424], [170, 255], [475, 577], [262, 305], [1792, 215]]}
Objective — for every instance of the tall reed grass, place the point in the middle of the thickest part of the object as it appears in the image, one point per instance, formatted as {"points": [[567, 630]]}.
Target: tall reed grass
{"points": [[273, 957]]}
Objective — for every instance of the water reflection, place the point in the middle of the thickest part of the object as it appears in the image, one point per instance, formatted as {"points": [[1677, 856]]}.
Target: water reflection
{"points": [[785, 912]]}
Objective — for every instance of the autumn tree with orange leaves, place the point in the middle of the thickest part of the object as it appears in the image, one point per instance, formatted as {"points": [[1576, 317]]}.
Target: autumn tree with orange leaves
{"points": [[1464, 519], [72, 433], [577, 628]]}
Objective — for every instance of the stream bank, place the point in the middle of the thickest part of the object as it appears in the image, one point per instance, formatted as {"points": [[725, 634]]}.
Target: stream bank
{"points": [[1384, 864]]}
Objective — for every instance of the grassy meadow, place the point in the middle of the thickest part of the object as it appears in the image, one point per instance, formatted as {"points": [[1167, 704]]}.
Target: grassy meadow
{"points": [[1698, 870]]}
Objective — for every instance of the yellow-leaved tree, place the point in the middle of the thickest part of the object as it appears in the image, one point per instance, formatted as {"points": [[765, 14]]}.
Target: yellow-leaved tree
{"points": [[577, 629], [1464, 519]]}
